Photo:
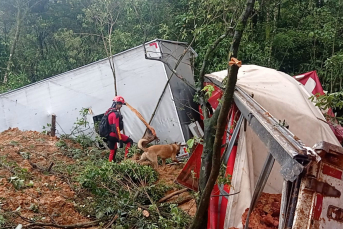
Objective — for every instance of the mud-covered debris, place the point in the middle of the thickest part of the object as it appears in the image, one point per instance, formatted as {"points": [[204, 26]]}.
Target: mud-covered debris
{"points": [[266, 212]]}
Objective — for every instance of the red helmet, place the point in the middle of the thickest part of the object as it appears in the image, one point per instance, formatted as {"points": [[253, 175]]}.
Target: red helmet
{"points": [[119, 99]]}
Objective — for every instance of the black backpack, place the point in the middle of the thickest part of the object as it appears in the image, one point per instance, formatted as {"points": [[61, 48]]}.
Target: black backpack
{"points": [[104, 126]]}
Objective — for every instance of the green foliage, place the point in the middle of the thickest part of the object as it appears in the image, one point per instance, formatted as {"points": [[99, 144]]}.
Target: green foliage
{"points": [[121, 152], [16, 80], [58, 36], [2, 220], [46, 128], [19, 173], [192, 142], [61, 144], [209, 89], [115, 175], [34, 208], [17, 182], [223, 178], [331, 100], [122, 189], [20, 176]]}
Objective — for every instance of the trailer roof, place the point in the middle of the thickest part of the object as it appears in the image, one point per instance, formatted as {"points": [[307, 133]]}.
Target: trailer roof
{"points": [[95, 62]]}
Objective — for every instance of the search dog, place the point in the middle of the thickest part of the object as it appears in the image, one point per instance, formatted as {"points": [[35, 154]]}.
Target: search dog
{"points": [[163, 151]]}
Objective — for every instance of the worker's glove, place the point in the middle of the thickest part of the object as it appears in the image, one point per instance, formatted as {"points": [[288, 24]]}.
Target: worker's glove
{"points": [[120, 144]]}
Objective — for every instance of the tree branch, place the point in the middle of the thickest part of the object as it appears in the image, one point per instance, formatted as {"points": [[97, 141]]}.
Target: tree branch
{"points": [[222, 119], [115, 217], [78, 225], [203, 69], [172, 194]]}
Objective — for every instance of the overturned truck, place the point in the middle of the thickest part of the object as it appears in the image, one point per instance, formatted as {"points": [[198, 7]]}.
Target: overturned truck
{"points": [[278, 146], [145, 78]]}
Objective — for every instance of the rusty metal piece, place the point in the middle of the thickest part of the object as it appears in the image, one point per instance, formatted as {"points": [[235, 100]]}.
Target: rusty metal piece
{"points": [[284, 202], [321, 187], [292, 203], [330, 153], [328, 147], [334, 159], [335, 213]]}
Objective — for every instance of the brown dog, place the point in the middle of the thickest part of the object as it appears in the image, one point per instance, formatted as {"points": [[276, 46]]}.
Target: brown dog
{"points": [[162, 151]]}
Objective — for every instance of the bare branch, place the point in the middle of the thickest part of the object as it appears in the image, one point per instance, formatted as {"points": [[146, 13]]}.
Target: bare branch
{"points": [[115, 217], [172, 194], [79, 225], [90, 34], [188, 106]]}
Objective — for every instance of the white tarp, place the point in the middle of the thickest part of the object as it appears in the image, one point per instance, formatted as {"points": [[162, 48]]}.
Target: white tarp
{"points": [[285, 99]]}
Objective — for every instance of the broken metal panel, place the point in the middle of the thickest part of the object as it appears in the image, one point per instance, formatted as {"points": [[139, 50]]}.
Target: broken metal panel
{"points": [[320, 199], [227, 153], [331, 154], [287, 151], [141, 82], [182, 94]]}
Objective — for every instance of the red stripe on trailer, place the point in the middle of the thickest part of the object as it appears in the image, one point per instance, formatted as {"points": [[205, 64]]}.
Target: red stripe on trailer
{"points": [[218, 204], [153, 44], [330, 171], [229, 168], [317, 211], [213, 210]]}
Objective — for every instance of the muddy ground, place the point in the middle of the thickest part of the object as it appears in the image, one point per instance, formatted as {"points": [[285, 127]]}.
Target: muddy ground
{"points": [[31, 188]]}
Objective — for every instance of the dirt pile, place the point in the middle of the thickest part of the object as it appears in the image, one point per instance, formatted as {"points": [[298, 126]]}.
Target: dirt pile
{"points": [[33, 190], [28, 190], [168, 176], [266, 212]]}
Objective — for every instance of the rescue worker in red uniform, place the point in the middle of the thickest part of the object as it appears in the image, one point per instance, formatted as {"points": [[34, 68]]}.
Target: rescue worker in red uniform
{"points": [[115, 119]]}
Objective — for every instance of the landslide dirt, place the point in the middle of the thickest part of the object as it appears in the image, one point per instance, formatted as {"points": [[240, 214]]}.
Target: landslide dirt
{"points": [[29, 191], [44, 196], [168, 176], [266, 213]]}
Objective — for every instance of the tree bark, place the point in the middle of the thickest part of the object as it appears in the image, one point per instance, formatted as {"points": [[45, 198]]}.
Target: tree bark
{"points": [[209, 124], [222, 119], [207, 154], [14, 45]]}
